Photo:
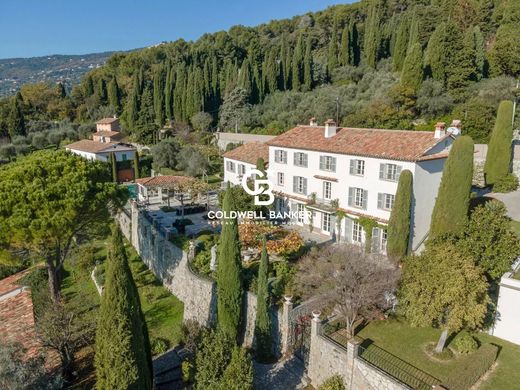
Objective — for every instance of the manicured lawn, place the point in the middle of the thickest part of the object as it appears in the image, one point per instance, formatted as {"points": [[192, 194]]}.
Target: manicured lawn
{"points": [[408, 343]]}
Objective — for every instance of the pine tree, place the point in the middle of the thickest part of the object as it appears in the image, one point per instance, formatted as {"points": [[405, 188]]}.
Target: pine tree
{"points": [[399, 222], [263, 322], [450, 212], [307, 65], [16, 120], [372, 34], [114, 95], [412, 74], [332, 57], [498, 157], [229, 283], [123, 358], [401, 44]]}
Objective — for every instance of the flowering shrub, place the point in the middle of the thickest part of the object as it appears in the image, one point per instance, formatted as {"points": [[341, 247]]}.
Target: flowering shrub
{"points": [[279, 241]]}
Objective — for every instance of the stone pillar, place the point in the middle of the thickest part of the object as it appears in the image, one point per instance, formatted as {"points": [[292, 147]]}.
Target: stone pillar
{"points": [[285, 329], [313, 367], [352, 354]]}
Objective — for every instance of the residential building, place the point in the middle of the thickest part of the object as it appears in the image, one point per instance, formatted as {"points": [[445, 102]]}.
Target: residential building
{"points": [[158, 188], [241, 160], [322, 169]]}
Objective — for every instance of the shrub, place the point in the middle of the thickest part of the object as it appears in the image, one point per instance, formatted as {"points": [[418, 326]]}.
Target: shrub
{"points": [[470, 371], [181, 224], [507, 183], [191, 332], [464, 343], [188, 371], [159, 346], [7, 152], [333, 383]]}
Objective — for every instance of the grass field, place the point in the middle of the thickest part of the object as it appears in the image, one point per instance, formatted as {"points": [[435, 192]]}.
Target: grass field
{"points": [[408, 343], [515, 225]]}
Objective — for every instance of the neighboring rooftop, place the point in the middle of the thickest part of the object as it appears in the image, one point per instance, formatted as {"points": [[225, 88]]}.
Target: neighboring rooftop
{"points": [[391, 144], [249, 153], [163, 181], [107, 121], [89, 146], [106, 133]]}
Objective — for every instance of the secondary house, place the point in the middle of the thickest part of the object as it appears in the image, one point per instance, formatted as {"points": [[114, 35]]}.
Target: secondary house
{"points": [[239, 161], [322, 169]]}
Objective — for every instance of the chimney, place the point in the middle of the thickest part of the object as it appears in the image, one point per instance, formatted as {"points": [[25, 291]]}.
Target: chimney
{"points": [[330, 128], [455, 128], [313, 122], [440, 130]]}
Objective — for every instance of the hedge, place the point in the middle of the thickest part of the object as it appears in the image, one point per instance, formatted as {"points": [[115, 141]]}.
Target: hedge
{"points": [[468, 373]]}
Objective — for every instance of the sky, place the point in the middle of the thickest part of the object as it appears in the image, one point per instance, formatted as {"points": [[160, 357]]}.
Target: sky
{"points": [[30, 28]]}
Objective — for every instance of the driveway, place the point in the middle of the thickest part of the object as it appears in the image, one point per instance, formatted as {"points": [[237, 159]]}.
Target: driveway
{"points": [[512, 202]]}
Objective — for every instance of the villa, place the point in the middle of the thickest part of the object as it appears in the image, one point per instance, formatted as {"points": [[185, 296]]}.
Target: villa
{"points": [[327, 168]]}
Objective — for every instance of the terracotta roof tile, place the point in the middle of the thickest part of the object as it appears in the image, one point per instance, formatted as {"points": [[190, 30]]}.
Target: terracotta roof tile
{"points": [[106, 133], [163, 181], [249, 153], [390, 144], [107, 121], [89, 146]]}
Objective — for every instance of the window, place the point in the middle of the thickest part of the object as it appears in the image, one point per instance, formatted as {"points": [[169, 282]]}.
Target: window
{"points": [[280, 156], [300, 159], [385, 201], [300, 208], [328, 163], [230, 166], [325, 222], [241, 169], [280, 178], [300, 185], [327, 190], [384, 239], [357, 197], [357, 167], [123, 156], [357, 232], [389, 172]]}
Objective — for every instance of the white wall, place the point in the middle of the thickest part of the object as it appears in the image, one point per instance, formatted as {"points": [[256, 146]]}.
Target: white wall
{"points": [[104, 156], [507, 322], [233, 177]]}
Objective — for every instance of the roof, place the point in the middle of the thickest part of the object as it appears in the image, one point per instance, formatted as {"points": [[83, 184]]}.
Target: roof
{"points": [[107, 121], [163, 181], [89, 146], [249, 153], [106, 133], [402, 145]]}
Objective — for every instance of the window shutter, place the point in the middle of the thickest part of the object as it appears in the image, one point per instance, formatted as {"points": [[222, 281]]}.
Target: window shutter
{"points": [[380, 198], [376, 240], [348, 229], [381, 171], [365, 199], [295, 159], [304, 186], [295, 184], [350, 196], [322, 163], [352, 165], [305, 160], [398, 172], [333, 164]]}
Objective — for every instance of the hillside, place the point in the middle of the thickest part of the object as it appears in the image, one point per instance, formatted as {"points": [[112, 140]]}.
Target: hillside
{"points": [[376, 63], [67, 69]]}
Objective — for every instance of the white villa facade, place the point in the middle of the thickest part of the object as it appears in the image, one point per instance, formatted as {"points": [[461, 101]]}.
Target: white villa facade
{"points": [[357, 171], [242, 160]]}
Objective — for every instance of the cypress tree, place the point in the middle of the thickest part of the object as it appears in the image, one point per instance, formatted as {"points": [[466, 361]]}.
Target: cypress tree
{"points": [[114, 95], [372, 34], [16, 120], [61, 91], [229, 283], [435, 57], [288, 69], [263, 322], [401, 44], [450, 212], [158, 95], [297, 63], [136, 166], [132, 105], [480, 52], [244, 80], [332, 57], [399, 222], [412, 74], [101, 91], [89, 86], [284, 64], [307, 65], [461, 76], [123, 359], [168, 94], [345, 47], [113, 164], [146, 109], [498, 157]]}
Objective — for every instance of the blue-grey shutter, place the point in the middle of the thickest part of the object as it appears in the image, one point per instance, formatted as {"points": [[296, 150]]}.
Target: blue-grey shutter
{"points": [[380, 198], [295, 158], [382, 171], [305, 186], [322, 163], [305, 160], [284, 156], [295, 184], [365, 199], [352, 165], [398, 172], [333, 166], [350, 196], [348, 229], [376, 240]]}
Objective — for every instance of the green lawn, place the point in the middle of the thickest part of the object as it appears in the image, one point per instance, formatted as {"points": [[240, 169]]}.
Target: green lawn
{"points": [[163, 311], [515, 225], [408, 343]]}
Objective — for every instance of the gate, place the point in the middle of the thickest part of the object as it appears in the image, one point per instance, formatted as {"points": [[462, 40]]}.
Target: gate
{"points": [[301, 337]]}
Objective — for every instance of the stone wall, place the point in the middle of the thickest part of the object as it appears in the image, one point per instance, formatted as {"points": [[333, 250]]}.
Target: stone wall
{"points": [[170, 265], [328, 358]]}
